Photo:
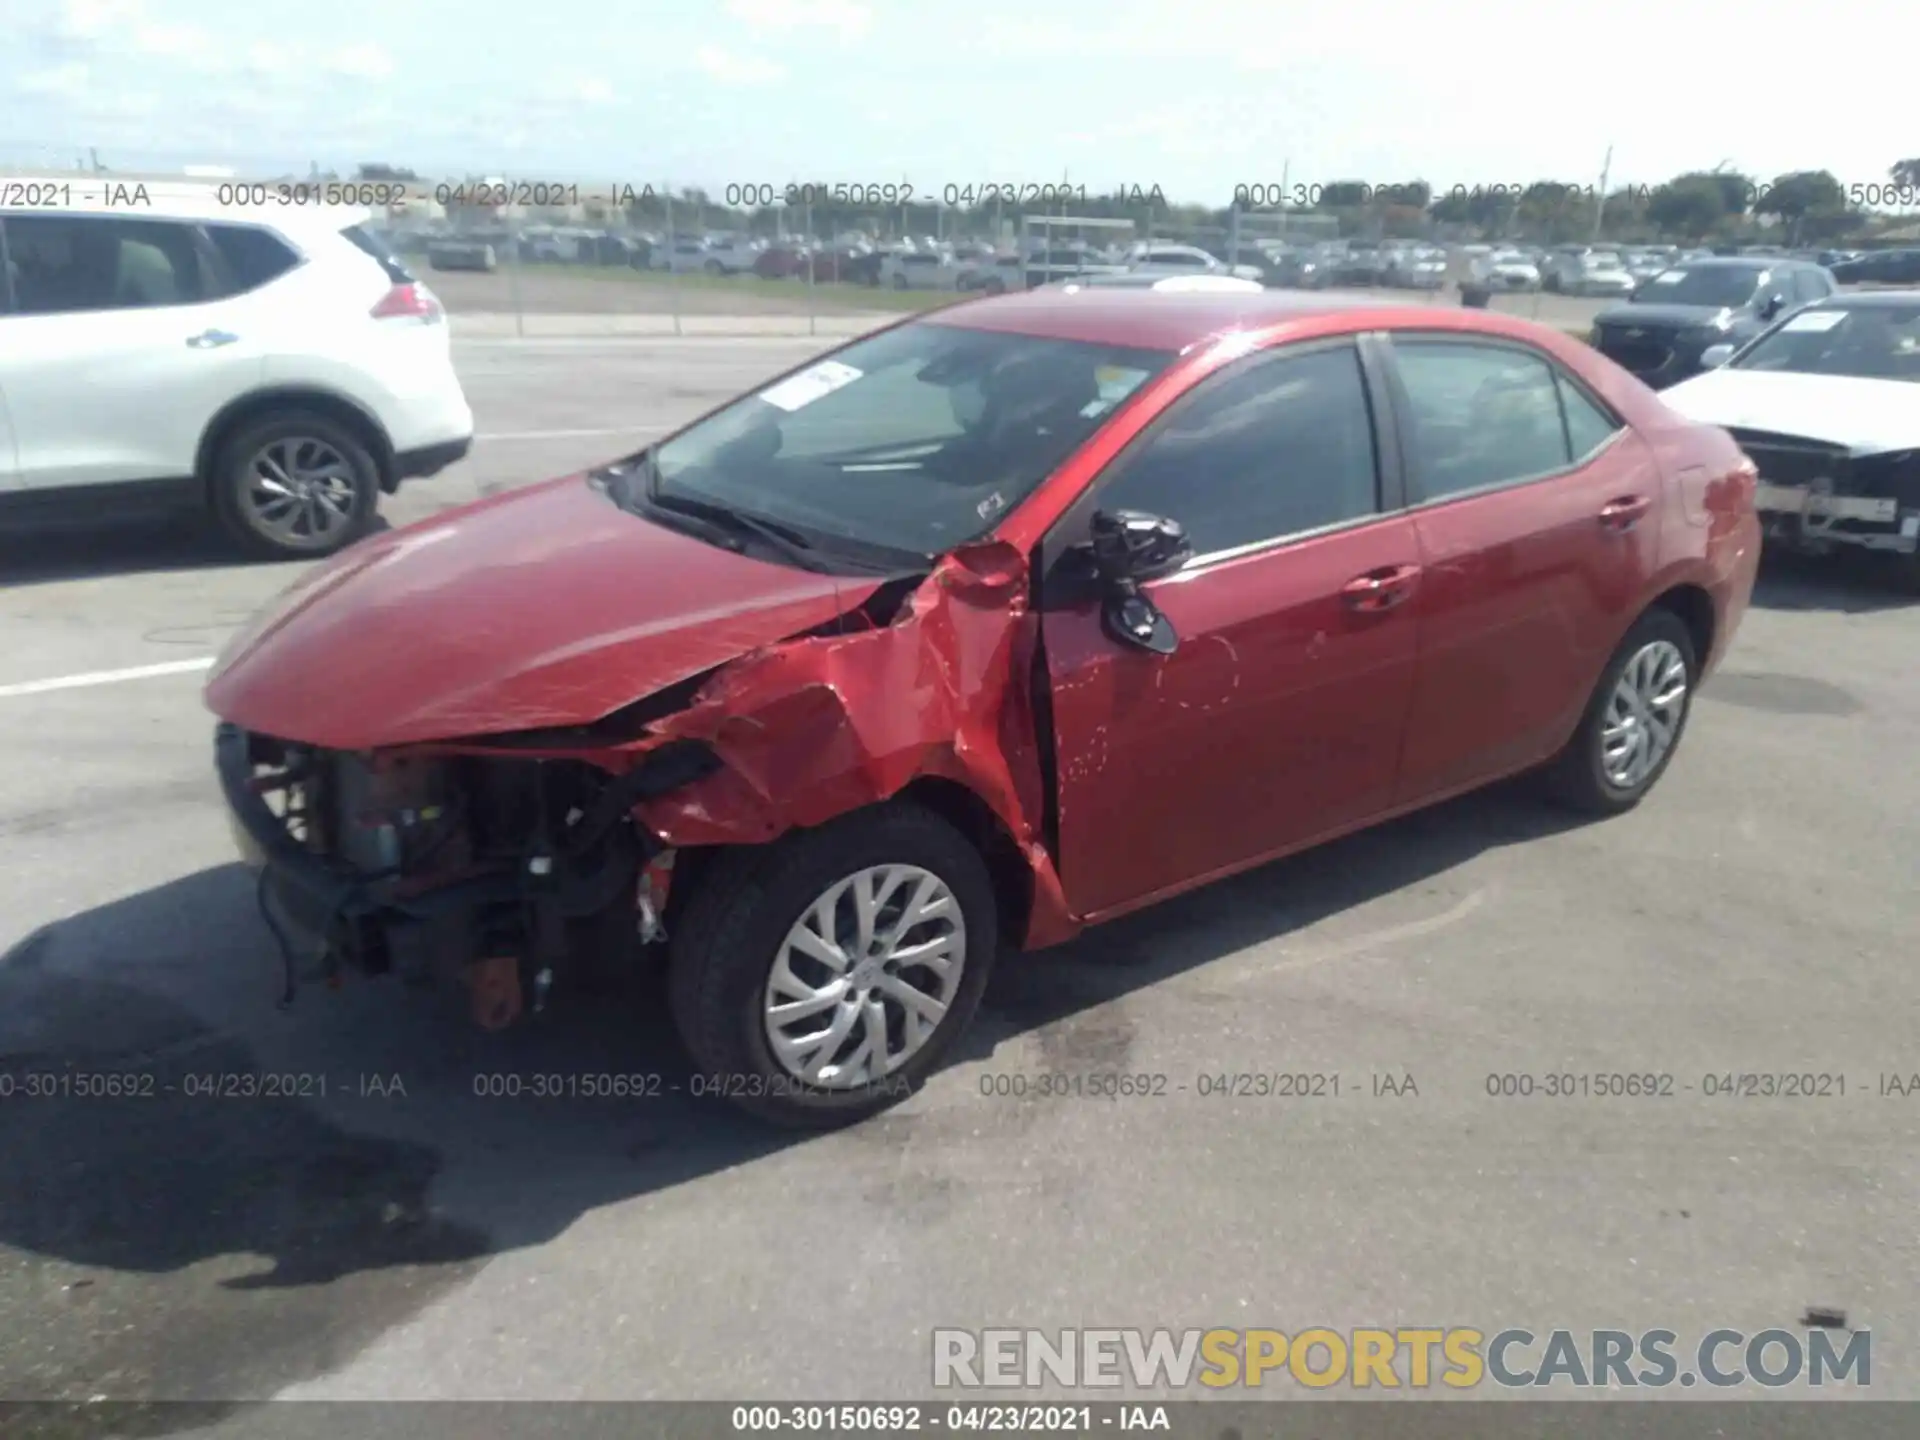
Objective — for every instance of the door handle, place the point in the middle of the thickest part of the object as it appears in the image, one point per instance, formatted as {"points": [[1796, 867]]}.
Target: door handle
{"points": [[211, 339], [1624, 513], [1380, 589]]}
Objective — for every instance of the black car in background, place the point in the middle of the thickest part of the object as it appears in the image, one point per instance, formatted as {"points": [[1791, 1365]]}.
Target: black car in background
{"points": [[1660, 333], [1880, 267]]}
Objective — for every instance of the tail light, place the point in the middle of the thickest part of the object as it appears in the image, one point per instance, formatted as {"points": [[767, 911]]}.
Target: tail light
{"points": [[408, 302]]}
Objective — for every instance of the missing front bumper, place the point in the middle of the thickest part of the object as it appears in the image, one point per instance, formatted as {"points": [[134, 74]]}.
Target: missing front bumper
{"points": [[1813, 518]]}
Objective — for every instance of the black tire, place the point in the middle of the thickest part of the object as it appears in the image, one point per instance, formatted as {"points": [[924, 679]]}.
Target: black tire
{"points": [[725, 943], [1908, 573], [231, 478], [1577, 777]]}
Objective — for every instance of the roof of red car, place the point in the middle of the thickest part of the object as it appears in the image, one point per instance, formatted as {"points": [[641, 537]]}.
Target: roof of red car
{"points": [[1175, 320]]}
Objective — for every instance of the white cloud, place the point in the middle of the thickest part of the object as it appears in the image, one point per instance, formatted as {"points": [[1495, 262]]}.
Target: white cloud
{"points": [[264, 57], [67, 82], [596, 91], [366, 61], [848, 18], [90, 20], [176, 42], [731, 68]]}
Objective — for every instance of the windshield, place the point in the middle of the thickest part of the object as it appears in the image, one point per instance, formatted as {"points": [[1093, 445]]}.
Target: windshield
{"points": [[1878, 342], [914, 441], [1711, 285]]}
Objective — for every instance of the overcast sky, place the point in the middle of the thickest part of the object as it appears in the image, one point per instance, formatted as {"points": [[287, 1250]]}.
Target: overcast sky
{"points": [[1194, 96]]}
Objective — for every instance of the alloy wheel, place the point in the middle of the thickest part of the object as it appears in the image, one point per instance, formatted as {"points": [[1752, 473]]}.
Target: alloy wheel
{"points": [[301, 493], [865, 976], [1643, 714]]}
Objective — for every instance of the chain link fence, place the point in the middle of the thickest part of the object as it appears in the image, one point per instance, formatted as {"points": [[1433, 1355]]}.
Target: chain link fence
{"points": [[519, 257], [529, 259]]}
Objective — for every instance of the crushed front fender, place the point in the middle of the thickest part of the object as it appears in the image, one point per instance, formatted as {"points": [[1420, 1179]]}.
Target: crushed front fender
{"points": [[813, 728]]}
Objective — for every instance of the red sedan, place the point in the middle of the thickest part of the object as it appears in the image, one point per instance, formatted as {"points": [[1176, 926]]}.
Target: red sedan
{"points": [[988, 627]]}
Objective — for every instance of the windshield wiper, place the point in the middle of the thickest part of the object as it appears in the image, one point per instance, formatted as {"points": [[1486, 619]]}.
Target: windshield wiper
{"points": [[789, 542]]}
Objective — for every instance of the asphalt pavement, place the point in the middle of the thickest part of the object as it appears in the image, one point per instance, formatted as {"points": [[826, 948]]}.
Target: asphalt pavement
{"points": [[387, 1224]]}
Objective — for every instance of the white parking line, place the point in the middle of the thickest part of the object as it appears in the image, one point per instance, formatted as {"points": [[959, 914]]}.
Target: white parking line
{"points": [[105, 677], [569, 434]]}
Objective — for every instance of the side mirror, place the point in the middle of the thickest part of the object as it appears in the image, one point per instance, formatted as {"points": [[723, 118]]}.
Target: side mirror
{"points": [[1772, 305], [1129, 548], [1714, 356]]}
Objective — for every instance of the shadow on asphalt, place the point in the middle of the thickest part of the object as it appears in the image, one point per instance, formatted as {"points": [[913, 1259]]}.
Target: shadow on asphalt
{"points": [[199, 1241], [121, 547]]}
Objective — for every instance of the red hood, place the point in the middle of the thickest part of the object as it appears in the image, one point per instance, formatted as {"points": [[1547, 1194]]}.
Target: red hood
{"points": [[543, 606]]}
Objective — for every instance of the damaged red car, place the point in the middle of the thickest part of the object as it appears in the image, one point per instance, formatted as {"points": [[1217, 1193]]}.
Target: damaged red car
{"points": [[985, 628]]}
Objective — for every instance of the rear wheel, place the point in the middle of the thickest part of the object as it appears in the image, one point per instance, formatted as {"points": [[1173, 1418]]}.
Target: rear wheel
{"points": [[821, 979], [1633, 724], [295, 486]]}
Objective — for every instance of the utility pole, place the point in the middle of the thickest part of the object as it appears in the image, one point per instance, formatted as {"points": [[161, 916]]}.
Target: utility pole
{"points": [[1600, 206]]}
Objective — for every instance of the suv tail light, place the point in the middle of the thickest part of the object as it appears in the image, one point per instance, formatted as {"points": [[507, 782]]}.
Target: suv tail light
{"points": [[411, 301]]}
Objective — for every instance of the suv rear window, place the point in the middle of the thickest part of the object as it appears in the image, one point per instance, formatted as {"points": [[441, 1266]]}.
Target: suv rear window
{"points": [[253, 256], [368, 244]]}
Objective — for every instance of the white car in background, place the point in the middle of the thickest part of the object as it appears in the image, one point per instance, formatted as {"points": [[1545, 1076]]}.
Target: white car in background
{"points": [[276, 368], [1178, 284], [685, 254], [1508, 271], [1598, 273], [1826, 402], [1419, 268], [1158, 258], [923, 270], [732, 254]]}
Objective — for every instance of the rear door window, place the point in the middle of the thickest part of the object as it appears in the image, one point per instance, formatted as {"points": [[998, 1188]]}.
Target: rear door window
{"points": [[65, 264], [1481, 415], [1589, 425]]}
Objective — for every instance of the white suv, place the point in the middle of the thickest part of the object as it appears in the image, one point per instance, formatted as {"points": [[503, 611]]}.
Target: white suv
{"points": [[275, 367]]}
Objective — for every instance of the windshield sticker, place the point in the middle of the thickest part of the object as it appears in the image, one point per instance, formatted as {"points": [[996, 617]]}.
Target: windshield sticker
{"points": [[1816, 320], [1093, 409], [1116, 382], [992, 505], [1670, 277], [810, 385]]}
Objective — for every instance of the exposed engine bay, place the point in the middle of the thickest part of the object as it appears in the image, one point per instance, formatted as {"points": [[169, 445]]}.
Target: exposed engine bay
{"points": [[496, 872], [1815, 496]]}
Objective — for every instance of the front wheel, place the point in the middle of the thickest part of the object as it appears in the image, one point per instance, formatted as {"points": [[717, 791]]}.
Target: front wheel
{"points": [[821, 979], [1633, 723]]}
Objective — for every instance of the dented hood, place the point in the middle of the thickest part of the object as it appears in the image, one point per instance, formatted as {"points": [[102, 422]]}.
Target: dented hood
{"points": [[541, 607]]}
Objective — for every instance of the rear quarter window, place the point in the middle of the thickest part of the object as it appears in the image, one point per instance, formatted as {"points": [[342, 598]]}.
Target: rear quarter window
{"points": [[252, 256]]}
